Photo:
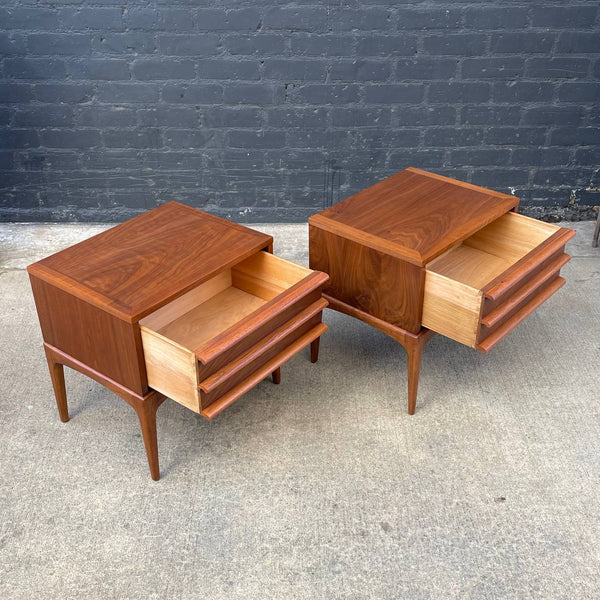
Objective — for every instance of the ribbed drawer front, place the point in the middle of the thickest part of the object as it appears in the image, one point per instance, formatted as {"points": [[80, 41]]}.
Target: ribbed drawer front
{"points": [[478, 291]]}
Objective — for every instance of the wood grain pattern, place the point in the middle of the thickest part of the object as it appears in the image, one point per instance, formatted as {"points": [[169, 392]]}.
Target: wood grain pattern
{"points": [[138, 266], [241, 388], [414, 215], [102, 341], [451, 308], [501, 332], [377, 283]]}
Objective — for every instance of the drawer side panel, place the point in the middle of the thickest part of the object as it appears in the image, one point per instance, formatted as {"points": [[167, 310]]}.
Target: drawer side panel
{"points": [[171, 369], [451, 308]]}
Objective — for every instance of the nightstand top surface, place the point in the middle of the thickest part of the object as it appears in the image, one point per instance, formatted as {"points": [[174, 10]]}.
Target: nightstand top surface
{"points": [[414, 215], [139, 265]]}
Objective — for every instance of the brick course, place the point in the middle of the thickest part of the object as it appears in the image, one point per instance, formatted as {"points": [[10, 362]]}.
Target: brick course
{"points": [[263, 111]]}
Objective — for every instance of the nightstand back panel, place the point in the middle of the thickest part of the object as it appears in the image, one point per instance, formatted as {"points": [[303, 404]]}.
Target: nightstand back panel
{"points": [[379, 284], [90, 335]]}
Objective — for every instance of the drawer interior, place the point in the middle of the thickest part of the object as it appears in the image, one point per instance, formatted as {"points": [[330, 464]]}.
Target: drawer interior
{"points": [[220, 302], [488, 253]]}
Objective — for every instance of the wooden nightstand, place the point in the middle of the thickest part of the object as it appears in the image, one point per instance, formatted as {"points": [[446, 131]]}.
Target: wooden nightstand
{"points": [[175, 303], [419, 253]]}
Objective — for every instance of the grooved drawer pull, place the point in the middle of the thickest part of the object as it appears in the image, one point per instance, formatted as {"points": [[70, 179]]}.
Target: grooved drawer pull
{"points": [[543, 277], [521, 271], [489, 342], [230, 369], [230, 397], [226, 340]]}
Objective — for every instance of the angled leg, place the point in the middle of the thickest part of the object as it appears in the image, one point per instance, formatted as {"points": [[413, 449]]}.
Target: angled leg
{"points": [[314, 350], [146, 411], [144, 406], [277, 375], [414, 352], [413, 343], [596, 232], [57, 374]]}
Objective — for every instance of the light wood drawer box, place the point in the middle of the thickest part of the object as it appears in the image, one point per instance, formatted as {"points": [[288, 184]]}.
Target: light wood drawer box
{"points": [[211, 345], [479, 290]]}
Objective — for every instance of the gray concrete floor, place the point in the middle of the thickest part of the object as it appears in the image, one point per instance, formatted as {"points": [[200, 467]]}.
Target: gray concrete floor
{"points": [[322, 487]]}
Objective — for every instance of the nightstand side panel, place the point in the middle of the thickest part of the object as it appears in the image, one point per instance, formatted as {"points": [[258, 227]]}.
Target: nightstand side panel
{"points": [[379, 284], [102, 341]]}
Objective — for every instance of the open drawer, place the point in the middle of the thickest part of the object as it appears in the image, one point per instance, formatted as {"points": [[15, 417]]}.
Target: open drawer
{"points": [[211, 345], [481, 289]]}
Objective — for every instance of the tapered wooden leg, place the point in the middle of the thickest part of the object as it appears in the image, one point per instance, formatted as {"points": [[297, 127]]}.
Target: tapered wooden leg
{"points": [[414, 343], [414, 346], [277, 375], [414, 352], [144, 406], [146, 412], [596, 232], [314, 350], [57, 374]]}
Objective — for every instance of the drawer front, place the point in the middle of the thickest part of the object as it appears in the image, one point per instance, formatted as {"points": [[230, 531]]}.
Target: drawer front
{"points": [[233, 342], [519, 310], [496, 312], [528, 267], [477, 292], [238, 370], [268, 367]]}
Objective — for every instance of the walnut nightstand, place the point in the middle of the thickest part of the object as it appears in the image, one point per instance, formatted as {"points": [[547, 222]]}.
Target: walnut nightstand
{"points": [[174, 303], [419, 253]]}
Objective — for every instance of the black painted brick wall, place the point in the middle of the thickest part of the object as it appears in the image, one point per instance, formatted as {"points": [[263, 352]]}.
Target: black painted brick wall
{"points": [[266, 110]]}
